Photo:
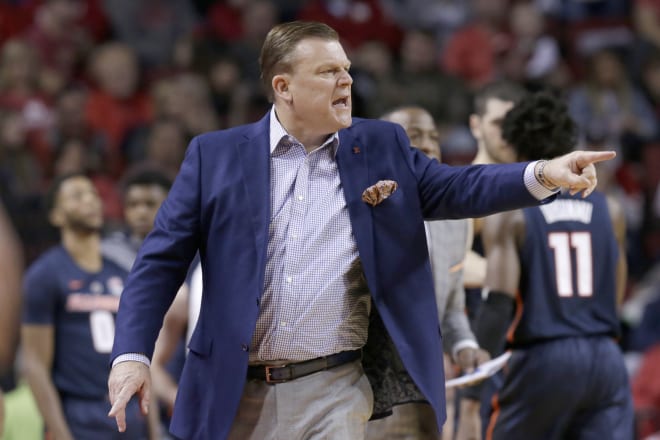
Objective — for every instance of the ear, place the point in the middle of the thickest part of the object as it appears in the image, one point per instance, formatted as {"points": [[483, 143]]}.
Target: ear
{"points": [[280, 84], [475, 126]]}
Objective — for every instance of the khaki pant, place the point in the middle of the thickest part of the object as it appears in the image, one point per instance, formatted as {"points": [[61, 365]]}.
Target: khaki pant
{"points": [[332, 404]]}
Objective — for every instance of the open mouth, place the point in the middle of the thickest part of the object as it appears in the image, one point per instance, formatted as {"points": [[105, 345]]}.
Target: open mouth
{"points": [[341, 102]]}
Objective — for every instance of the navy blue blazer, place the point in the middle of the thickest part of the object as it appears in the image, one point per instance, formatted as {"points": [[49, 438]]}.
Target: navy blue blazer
{"points": [[220, 204]]}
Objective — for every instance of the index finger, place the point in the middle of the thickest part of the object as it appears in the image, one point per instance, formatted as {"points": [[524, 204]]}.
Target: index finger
{"points": [[118, 410], [587, 157]]}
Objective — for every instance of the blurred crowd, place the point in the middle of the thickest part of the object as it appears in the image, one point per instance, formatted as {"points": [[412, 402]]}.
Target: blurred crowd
{"points": [[109, 86]]}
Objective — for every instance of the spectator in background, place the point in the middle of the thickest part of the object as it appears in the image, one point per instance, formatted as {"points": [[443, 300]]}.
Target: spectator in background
{"points": [[441, 18], [19, 170], [11, 273], [116, 105], [610, 110], [225, 19], [230, 95], [183, 107], [646, 21], [21, 87], [71, 124], [143, 190], [418, 80], [257, 18], [15, 18], [195, 107], [166, 145], [357, 21], [650, 80], [151, 28], [63, 33], [373, 71], [534, 54], [473, 52]]}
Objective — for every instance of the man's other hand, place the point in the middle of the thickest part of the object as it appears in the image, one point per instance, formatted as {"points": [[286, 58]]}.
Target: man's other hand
{"points": [[126, 379]]}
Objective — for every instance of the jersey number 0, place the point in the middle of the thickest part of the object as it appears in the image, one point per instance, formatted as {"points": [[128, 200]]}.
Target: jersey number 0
{"points": [[102, 325]]}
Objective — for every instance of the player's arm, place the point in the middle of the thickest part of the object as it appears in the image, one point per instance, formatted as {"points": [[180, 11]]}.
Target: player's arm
{"points": [[619, 225], [174, 329], [11, 271], [474, 269], [501, 235], [38, 346]]}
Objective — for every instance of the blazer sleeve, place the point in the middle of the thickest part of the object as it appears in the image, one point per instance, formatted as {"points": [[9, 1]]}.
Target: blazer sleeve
{"points": [[451, 192], [162, 262]]}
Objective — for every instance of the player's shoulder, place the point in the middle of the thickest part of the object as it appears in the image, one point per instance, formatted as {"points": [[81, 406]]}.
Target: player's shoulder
{"points": [[49, 262], [46, 271]]}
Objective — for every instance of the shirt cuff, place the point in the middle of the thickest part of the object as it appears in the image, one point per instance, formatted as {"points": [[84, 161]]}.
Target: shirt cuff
{"points": [[138, 357], [535, 187], [460, 345]]}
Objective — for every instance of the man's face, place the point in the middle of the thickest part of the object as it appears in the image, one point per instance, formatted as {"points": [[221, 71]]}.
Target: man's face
{"points": [[141, 204], [319, 86], [78, 206], [487, 129], [420, 128]]}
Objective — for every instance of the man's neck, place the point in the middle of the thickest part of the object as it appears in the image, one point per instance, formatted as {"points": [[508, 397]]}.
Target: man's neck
{"points": [[309, 140], [482, 158], [84, 248]]}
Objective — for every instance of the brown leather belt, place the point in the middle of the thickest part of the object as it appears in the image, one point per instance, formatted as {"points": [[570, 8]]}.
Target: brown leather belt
{"points": [[273, 374]]}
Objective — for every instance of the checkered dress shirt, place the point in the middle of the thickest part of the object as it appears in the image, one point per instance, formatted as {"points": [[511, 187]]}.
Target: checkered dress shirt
{"points": [[315, 301]]}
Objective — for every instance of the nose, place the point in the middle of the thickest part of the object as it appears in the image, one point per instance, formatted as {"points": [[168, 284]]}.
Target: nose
{"points": [[345, 78]]}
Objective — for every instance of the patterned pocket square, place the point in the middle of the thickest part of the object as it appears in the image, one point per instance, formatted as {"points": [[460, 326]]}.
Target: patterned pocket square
{"points": [[379, 192]]}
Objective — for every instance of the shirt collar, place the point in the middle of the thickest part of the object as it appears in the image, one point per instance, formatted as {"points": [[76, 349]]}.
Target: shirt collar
{"points": [[277, 132]]}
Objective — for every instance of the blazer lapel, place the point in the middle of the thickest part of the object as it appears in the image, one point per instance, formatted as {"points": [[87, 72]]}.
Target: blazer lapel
{"points": [[354, 174], [254, 156]]}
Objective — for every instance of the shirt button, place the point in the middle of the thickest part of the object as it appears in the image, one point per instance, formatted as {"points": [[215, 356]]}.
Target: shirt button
{"points": [[294, 235], [283, 324], [301, 198], [245, 347], [289, 279]]}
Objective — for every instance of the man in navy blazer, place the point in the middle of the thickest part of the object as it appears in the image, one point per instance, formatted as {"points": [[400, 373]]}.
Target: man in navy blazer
{"points": [[367, 260]]}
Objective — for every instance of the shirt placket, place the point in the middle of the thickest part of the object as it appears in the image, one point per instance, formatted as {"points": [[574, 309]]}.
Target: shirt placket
{"points": [[292, 286]]}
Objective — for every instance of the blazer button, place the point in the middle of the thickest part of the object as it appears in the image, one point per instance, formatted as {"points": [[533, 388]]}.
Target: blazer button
{"points": [[245, 347]]}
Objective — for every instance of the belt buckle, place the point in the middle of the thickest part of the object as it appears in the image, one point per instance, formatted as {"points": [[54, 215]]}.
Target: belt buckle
{"points": [[269, 379]]}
